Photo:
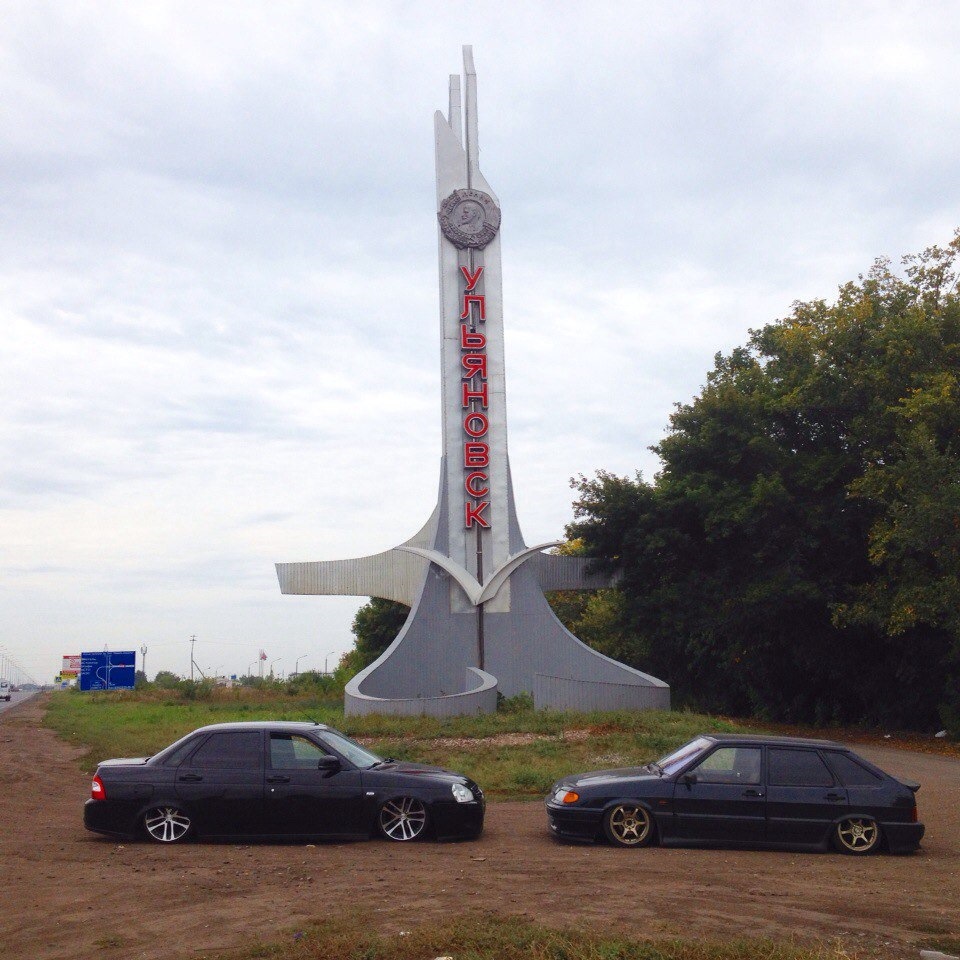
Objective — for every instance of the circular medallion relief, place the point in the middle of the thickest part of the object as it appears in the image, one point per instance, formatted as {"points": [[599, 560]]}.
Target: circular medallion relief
{"points": [[469, 218]]}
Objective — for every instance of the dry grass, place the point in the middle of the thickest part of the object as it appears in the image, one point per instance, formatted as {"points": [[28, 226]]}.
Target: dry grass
{"points": [[492, 937]]}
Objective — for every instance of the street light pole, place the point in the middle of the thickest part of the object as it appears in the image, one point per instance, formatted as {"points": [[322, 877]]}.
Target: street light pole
{"points": [[143, 654], [296, 665], [272, 662]]}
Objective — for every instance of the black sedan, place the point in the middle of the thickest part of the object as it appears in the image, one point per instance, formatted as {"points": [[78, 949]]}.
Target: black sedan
{"points": [[280, 780], [741, 790]]}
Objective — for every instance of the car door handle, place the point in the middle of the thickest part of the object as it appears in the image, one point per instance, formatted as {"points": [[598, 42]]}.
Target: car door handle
{"points": [[191, 777], [753, 793], [278, 779], [835, 796]]}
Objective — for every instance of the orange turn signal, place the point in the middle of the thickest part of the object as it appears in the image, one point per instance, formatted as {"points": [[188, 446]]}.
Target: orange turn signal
{"points": [[571, 797]]}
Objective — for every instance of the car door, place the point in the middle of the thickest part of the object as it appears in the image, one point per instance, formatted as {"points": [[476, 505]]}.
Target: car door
{"points": [[803, 796], [301, 799], [722, 797], [221, 783]]}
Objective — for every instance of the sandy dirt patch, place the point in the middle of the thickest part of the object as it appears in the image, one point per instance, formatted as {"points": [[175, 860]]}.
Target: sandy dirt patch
{"points": [[66, 893]]}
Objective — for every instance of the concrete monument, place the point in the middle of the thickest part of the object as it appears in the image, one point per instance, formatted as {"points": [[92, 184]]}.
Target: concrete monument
{"points": [[479, 623]]}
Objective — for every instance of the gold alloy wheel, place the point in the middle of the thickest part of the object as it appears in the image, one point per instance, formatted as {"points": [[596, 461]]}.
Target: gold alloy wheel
{"points": [[857, 835], [628, 825]]}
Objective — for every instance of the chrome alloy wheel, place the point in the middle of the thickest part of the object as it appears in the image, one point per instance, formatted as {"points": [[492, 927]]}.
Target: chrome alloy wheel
{"points": [[403, 819], [857, 835], [628, 825], [166, 824]]}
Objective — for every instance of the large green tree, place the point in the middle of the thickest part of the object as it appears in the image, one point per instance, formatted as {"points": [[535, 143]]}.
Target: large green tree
{"points": [[375, 627], [798, 554]]}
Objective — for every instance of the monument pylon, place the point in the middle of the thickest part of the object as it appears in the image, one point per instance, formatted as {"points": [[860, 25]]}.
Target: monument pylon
{"points": [[479, 622]]}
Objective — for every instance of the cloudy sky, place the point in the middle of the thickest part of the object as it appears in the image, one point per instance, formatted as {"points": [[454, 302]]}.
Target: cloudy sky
{"points": [[218, 270]]}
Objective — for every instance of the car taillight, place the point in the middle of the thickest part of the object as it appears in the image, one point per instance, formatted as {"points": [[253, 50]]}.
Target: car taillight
{"points": [[914, 817], [96, 789]]}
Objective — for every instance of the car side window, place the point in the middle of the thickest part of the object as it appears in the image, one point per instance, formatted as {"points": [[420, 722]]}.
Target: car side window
{"points": [[234, 750], [176, 757], [851, 773], [797, 768], [730, 765], [290, 752]]}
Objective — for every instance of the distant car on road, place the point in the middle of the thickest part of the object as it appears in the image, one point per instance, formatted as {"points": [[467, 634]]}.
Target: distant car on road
{"points": [[742, 790], [5, 690], [280, 780]]}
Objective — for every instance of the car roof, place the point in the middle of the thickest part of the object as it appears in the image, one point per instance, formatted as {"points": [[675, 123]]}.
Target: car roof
{"points": [[772, 741], [265, 725]]}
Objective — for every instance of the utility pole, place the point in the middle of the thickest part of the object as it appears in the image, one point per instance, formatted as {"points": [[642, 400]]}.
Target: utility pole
{"points": [[143, 655], [193, 640]]}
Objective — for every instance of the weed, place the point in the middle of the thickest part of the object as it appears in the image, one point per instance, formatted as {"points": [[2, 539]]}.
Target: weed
{"points": [[118, 724], [491, 937]]}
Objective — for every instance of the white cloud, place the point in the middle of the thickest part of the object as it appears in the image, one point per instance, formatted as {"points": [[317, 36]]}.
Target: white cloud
{"points": [[218, 278]]}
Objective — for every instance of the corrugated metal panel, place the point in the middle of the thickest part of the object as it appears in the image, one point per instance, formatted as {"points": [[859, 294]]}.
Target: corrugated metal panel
{"points": [[393, 575], [566, 694], [569, 573]]}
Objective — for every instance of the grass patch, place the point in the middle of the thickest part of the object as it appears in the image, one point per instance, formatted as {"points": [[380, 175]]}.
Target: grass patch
{"points": [[490, 937], [516, 753]]}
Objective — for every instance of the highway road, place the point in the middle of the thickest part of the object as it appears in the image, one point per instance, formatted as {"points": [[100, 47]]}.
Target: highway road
{"points": [[15, 699]]}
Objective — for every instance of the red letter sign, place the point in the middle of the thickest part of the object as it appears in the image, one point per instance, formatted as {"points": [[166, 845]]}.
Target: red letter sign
{"points": [[474, 514]]}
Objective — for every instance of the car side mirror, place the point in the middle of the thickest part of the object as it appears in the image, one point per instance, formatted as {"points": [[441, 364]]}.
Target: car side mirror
{"points": [[689, 779], [328, 763]]}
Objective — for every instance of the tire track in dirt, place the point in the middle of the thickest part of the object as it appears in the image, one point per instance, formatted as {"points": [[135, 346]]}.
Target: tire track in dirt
{"points": [[66, 893]]}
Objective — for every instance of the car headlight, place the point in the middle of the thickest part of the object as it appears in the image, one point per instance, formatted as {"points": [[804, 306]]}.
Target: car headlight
{"points": [[461, 793], [565, 795]]}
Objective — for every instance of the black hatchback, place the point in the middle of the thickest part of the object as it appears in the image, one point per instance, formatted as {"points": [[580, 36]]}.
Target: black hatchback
{"points": [[743, 790], [280, 780]]}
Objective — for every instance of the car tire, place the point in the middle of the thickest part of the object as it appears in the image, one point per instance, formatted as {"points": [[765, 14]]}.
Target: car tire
{"points": [[629, 825], [403, 819], [167, 824], [856, 836]]}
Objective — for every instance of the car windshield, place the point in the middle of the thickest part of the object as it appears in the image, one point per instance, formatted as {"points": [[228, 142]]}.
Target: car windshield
{"points": [[672, 762], [357, 755]]}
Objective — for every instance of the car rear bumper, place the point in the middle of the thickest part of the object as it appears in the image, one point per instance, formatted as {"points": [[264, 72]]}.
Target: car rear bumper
{"points": [[102, 816], [902, 837], [572, 823]]}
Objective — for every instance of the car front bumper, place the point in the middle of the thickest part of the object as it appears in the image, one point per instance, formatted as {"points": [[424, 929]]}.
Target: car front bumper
{"points": [[457, 821], [572, 823]]}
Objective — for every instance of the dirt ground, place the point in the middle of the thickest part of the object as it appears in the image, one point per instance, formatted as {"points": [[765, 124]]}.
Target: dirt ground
{"points": [[66, 893]]}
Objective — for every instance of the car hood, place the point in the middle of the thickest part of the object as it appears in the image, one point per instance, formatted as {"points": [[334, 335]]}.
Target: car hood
{"points": [[419, 770], [597, 778]]}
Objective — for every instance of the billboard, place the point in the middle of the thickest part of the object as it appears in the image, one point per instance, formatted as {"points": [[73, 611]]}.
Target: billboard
{"points": [[71, 665], [108, 670]]}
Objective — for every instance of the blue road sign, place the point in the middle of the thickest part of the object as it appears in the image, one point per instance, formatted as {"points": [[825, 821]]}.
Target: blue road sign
{"points": [[105, 670]]}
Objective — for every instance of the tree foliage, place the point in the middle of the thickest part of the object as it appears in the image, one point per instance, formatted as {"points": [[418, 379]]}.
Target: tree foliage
{"points": [[598, 617], [375, 627], [798, 554]]}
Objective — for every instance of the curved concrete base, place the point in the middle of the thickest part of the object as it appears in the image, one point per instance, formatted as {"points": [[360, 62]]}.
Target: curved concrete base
{"points": [[434, 666], [481, 698]]}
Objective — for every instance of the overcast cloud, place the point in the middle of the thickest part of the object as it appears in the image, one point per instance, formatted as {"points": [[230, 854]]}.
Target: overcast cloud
{"points": [[218, 270]]}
